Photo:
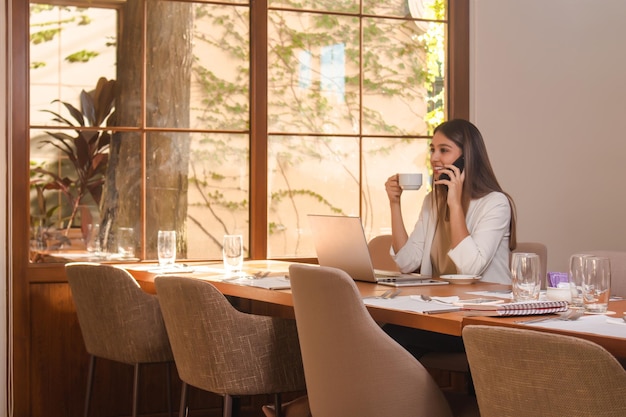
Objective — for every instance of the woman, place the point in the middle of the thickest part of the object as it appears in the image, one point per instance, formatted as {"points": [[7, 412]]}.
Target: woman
{"points": [[467, 223]]}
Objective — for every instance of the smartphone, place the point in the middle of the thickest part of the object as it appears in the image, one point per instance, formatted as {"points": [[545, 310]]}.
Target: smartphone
{"points": [[459, 163]]}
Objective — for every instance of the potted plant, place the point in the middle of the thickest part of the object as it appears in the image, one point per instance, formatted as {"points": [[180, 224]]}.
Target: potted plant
{"points": [[87, 152]]}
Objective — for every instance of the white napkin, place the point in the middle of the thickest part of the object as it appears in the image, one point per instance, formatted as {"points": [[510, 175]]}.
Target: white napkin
{"points": [[611, 320]]}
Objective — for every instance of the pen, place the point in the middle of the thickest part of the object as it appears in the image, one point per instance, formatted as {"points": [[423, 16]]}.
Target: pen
{"points": [[448, 310]]}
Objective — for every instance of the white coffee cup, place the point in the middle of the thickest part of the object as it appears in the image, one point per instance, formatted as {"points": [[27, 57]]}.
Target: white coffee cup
{"points": [[412, 181]]}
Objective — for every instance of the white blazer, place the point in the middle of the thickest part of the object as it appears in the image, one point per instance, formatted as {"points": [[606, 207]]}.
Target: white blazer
{"points": [[484, 252]]}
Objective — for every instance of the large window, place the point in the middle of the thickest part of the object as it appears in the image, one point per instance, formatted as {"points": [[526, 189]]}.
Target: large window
{"points": [[212, 118]]}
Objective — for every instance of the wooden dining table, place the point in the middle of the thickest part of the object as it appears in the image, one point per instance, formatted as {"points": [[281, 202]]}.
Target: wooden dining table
{"points": [[280, 302]]}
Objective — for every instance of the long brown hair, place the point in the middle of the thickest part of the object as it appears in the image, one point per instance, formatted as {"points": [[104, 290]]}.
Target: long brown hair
{"points": [[480, 179]]}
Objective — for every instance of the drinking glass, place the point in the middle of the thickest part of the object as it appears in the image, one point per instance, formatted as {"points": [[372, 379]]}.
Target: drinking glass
{"points": [[166, 247], [597, 284], [126, 242], [576, 273], [525, 276], [232, 252], [93, 239]]}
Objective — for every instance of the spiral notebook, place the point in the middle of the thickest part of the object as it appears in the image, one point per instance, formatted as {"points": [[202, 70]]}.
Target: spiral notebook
{"points": [[522, 308]]}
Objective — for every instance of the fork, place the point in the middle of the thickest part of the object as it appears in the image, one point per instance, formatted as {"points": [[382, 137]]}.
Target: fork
{"points": [[258, 275], [430, 299], [390, 293], [568, 315]]}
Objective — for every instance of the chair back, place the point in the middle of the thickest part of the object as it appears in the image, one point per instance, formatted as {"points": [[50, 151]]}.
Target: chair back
{"points": [[541, 250], [119, 321], [618, 269], [527, 373], [379, 248], [352, 367], [222, 350]]}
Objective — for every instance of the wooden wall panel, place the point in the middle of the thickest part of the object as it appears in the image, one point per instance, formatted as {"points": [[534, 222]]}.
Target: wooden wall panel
{"points": [[59, 361]]}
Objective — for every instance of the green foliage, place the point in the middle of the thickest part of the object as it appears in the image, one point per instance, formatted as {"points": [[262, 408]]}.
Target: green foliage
{"points": [[81, 56], [44, 36]]}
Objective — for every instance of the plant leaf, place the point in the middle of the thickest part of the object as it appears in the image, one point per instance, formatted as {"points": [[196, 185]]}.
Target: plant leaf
{"points": [[87, 104]]}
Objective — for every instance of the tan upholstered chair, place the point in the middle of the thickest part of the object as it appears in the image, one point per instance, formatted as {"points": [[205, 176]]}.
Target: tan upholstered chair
{"points": [[222, 350], [527, 373], [119, 321], [379, 248], [618, 269], [446, 361], [352, 367], [541, 250]]}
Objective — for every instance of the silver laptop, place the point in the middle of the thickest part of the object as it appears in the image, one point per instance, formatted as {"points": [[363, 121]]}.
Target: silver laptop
{"points": [[340, 243]]}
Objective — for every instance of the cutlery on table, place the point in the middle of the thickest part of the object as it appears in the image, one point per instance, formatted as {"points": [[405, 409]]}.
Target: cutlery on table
{"points": [[429, 299], [390, 293], [568, 315]]}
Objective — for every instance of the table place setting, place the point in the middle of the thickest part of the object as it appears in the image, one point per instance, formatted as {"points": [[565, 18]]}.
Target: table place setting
{"points": [[164, 269], [261, 279], [597, 324], [413, 303]]}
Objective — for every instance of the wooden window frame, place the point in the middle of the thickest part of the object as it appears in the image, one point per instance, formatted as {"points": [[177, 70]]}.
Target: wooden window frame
{"points": [[22, 274]]}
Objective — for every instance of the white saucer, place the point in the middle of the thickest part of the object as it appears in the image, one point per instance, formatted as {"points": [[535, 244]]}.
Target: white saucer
{"points": [[461, 279]]}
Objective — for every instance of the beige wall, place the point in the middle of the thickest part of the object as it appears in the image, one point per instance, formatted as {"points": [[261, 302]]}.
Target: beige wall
{"points": [[548, 93]]}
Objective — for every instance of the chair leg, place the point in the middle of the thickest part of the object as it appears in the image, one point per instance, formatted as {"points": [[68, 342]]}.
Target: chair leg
{"points": [[278, 404], [236, 408], [228, 406], [90, 372], [135, 390], [168, 383], [183, 400]]}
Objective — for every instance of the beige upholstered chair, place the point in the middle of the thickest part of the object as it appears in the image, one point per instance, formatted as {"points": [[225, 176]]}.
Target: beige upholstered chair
{"points": [[352, 367], [224, 351], [618, 269], [446, 361], [379, 252], [119, 321], [527, 373], [541, 250]]}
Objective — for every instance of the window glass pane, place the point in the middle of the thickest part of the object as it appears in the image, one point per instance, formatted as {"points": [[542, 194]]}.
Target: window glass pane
{"points": [[70, 49], [382, 158], [337, 6], [308, 175], [198, 68], [180, 158], [313, 73], [66, 186], [417, 9], [218, 198], [402, 67], [234, 2]]}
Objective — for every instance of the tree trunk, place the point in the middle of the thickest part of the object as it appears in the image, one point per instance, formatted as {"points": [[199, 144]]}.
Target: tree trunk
{"points": [[168, 79]]}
